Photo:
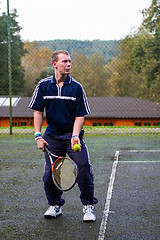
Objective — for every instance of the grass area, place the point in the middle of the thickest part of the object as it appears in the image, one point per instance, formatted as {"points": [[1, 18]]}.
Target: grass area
{"points": [[93, 130], [88, 127]]}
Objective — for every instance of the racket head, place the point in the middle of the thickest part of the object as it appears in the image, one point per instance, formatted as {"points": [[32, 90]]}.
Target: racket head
{"points": [[64, 173]]}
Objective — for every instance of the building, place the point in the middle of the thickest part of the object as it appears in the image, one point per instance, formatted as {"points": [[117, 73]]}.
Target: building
{"points": [[122, 111], [105, 111], [21, 114]]}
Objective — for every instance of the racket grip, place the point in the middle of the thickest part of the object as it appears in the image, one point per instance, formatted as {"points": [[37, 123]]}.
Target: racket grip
{"points": [[46, 148]]}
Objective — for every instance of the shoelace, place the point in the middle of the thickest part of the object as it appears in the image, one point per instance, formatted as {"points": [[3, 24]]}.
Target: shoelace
{"points": [[57, 208], [89, 209]]}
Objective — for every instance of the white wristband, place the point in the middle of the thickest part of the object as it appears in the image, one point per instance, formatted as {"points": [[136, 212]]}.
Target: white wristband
{"points": [[37, 135]]}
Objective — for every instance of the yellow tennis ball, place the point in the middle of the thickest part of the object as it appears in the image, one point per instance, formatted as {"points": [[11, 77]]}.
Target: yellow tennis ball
{"points": [[77, 148]]}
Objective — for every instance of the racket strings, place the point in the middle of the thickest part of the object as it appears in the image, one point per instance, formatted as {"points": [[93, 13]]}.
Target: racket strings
{"points": [[65, 173]]}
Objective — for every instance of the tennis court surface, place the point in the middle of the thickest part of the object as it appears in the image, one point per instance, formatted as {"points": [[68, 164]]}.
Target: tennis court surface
{"points": [[127, 184], [133, 199]]}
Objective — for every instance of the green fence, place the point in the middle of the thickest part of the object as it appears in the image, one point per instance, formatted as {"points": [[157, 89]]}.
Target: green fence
{"points": [[121, 77]]}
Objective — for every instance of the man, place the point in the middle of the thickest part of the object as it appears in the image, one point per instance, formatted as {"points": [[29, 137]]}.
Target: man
{"points": [[65, 103]]}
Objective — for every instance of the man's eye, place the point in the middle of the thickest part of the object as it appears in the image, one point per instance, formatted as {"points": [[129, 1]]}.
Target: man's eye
{"points": [[66, 61]]}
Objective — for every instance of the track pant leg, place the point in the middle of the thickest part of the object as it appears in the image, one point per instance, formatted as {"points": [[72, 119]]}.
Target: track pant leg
{"points": [[53, 194], [85, 175], [61, 145]]}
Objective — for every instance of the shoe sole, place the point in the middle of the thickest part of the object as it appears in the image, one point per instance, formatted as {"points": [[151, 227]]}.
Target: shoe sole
{"points": [[93, 220], [51, 217]]}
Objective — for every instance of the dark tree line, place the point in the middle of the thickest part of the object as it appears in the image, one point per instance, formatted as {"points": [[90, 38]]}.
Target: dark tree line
{"points": [[16, 53]]}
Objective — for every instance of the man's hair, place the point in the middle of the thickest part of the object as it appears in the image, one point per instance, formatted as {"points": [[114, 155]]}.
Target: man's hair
{"points": [[56, 53]]}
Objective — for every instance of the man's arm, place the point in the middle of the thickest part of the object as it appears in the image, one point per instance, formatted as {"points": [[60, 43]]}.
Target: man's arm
{"points": [[78, 124], [38, 119]]}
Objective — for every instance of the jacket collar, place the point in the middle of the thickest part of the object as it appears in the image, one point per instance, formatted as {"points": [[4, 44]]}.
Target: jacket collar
{"points": [[67, 81]]}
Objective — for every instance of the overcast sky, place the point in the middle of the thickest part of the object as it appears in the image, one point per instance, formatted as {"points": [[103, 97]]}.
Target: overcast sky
{"points": [[77, 19]]}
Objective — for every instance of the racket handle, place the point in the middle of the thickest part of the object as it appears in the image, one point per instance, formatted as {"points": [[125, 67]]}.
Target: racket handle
{"points": [[46, 149]]}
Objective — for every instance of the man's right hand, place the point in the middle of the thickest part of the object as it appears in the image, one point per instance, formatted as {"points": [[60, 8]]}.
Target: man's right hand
{"points": [[40, 143]]}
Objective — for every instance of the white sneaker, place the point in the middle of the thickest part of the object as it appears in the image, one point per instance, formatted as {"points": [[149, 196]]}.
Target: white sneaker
{"points": [[89, 215], [53, 211]]}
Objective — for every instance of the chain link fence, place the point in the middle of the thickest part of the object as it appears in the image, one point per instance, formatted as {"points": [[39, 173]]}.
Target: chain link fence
{"points": [[121, 78]]}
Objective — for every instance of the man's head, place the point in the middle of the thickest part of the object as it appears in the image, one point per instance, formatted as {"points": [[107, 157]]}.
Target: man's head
{"points": [[61, 62], [56, 53]]}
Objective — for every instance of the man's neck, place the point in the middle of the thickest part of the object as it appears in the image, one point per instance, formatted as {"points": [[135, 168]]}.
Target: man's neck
{"points": [[60, 79]]}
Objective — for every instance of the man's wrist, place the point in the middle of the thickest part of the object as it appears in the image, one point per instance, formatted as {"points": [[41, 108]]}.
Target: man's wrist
{"points": [[37, 135], [75, 136]]}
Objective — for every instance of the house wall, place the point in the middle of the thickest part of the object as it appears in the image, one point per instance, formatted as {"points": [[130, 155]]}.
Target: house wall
{"points": [[28, 121], [109, 122], [121, 122], [17, 122], [4, 122]]}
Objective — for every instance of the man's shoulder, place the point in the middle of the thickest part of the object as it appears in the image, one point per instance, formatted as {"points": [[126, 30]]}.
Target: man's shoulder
{"points": [[75, 82], [45, 80]]}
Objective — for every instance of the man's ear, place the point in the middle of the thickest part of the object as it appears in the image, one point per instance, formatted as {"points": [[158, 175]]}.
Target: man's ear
{"points": [[54, 64]]}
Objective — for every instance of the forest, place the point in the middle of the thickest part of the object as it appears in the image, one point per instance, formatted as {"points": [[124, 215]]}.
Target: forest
{"points": [[109, 49], [128, 67]]}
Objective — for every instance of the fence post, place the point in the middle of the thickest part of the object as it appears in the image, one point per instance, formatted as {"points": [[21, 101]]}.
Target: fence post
{"points": [[9, 68]]}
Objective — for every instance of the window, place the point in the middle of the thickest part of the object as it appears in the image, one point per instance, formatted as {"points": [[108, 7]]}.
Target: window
{"points": [[156, 124], [138, 124], [23, 123], [5, 101], [147, 124], [108, 124], [14, 124]]}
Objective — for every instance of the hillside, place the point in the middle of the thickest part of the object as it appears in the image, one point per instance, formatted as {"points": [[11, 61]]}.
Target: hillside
{"points": [[107, 48]]}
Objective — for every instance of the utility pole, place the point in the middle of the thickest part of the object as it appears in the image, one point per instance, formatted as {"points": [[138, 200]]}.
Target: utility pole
{"points": [[9, 68]]}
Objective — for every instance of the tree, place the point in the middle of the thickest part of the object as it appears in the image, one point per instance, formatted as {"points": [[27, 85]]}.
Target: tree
{"points": [[151, 17], [146, 55], [36, 62], [136, 70], [98, 76], [151, 23], [91, 73], [121, 80], [16, 54]]}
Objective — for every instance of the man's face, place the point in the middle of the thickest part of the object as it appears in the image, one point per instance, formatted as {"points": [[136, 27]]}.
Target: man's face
{"points": [[63, 65]]}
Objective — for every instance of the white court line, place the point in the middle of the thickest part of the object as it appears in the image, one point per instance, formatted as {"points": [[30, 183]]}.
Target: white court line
{"points": [[108, 199], [141, 150], [139, 161], [110, 188], [136, 151]]}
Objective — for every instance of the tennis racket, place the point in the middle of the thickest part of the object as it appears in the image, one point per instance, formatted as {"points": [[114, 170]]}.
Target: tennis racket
{"points": [[64, 171]]}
